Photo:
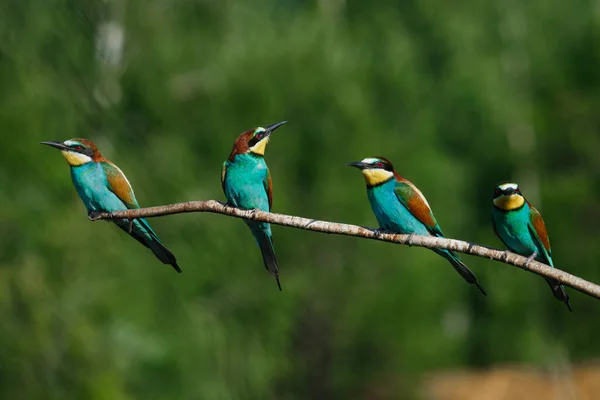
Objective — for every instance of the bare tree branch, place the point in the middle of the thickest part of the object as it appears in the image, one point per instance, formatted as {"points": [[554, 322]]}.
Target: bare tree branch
{"points": [[429, 242]]}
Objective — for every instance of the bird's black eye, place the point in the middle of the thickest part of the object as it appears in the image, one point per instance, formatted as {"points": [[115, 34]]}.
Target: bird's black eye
{"points": [[379, 164], [78, 147], [259, 136]]}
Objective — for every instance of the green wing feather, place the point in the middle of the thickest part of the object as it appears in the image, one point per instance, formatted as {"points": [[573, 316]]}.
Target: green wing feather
{"points": [[537, 228], [223, 173], [268, 184], [119, 185], [415, 202]]}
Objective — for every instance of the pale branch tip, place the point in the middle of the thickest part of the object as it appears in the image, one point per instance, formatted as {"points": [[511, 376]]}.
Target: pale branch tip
{"points": [[315, 225]]}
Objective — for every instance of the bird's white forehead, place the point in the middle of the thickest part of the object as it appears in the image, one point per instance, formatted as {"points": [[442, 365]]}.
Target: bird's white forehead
{"points": [[507, 186], [71, 143], [259, 129], [370, 160]]}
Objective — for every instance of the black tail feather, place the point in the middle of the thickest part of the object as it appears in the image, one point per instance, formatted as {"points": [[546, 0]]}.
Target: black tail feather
{"points": [[476, 283], [152, 242], [164, 255], [269, 257], [559, 292], [462, 269]]}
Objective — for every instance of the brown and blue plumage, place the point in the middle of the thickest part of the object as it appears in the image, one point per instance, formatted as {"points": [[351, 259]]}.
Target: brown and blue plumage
{"points": [[247, 184], [103, 187], [401, 208], [521, 228]]}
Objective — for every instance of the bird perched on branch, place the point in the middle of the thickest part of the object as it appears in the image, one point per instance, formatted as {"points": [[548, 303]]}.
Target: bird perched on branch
{"points": [[247, 184], [103, 187], [521, 228], [401, 208]]}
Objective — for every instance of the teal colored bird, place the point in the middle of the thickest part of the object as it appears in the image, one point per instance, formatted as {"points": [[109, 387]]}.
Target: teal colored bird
{"points": [[247, 184], [521, 228], [401, 208], [103, 187]]}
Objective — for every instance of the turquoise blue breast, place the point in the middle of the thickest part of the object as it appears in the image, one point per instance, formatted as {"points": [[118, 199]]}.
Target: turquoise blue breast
{"points": [[244, 182], [513, 228], [91, 185], [245, 187], [391, 214]]}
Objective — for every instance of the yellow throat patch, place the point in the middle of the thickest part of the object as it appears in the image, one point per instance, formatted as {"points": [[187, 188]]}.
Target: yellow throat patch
{"points": [[75, 159], [259, 148], [508, 203], [374, 177]]}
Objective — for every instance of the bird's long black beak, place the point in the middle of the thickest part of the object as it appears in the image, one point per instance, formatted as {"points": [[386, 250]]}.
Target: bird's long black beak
{"points": [[358, 164], [271, 128], [56, 145]]}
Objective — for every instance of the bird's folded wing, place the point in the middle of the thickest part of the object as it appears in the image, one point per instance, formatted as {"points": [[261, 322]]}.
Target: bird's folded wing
{"points": [[119, 185], [268, 183], [223, 175], [539, 233], [415, 202]]}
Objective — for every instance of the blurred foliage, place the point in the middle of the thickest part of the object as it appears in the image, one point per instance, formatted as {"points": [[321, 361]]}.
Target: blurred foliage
{"points": [[458, 95]]}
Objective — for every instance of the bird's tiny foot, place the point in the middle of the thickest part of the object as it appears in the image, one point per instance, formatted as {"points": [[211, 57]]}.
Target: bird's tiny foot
{"points": [[505, 254], [310, 223], [470, 248], [410, 239], [378, 232], [254, 211], [93, 215], [530, 258]]}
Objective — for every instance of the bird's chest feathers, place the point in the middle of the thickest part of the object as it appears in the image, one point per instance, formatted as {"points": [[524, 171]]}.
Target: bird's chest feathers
{"points": [[513, 227], [391, 214], [247, 170], [244, 181], [91, 185]]}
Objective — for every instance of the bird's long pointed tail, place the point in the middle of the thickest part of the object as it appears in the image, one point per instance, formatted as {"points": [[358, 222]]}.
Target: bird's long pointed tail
{"points": [[268, 253], [461, 268], [141, 231], [559, 292], [164, 254]]}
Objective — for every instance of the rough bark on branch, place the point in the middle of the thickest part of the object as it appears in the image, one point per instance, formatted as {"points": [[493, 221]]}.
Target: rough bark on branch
{"points": [[429, 242]]}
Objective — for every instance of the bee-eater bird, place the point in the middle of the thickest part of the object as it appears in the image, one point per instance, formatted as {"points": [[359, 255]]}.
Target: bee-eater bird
{"points": [[401, 208], [521, 228], [247, 184], [103, 187]]}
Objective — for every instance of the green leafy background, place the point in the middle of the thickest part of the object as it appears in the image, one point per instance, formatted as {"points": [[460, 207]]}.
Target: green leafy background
{"points": [[459, 95]]}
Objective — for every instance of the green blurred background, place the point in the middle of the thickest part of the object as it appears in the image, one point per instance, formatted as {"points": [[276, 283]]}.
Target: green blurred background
{"points": [[459, 95]]}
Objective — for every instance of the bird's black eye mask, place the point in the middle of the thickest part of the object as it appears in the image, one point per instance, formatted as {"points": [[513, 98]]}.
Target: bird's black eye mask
{"points": [[257, 138], [382, 164], [78, 148]]}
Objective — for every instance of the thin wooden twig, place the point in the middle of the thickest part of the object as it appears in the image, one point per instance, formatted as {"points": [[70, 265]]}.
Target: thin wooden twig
{"points": [[336, 228]]}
